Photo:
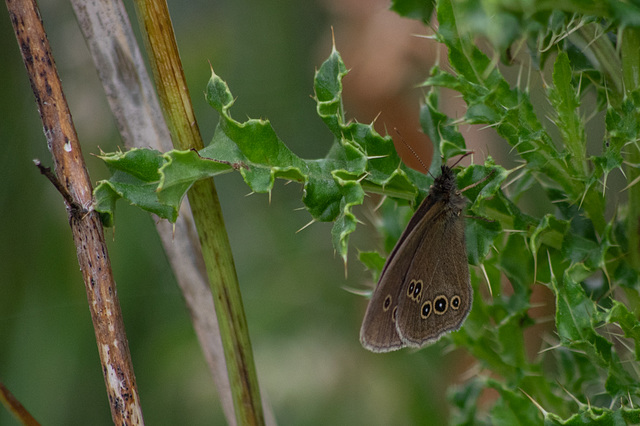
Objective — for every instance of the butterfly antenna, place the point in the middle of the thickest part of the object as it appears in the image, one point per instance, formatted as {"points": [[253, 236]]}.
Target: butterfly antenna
{"points": [[415, 154], [461, 157]]}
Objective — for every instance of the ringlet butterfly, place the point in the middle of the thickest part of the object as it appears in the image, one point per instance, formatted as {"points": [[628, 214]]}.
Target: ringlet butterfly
{"points": [[424, 290]]}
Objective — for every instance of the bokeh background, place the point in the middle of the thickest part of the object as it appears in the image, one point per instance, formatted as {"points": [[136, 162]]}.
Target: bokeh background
{"points": [[304, 325]]}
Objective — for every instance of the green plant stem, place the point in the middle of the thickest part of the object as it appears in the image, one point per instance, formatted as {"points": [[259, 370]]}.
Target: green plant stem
{"points": [[154, 19], [590, 36], [631, 76]]}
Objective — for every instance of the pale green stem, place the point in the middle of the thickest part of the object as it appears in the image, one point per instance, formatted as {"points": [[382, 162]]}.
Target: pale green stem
{"points": [[162, 50], [631, 75]]}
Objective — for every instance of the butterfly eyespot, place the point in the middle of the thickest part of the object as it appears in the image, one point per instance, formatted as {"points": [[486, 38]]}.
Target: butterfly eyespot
{"points": [[414, 290], [440, 304], [394, 313], [410, 288], [387, 303], [425, 311], [455, 302], [417, 290]]}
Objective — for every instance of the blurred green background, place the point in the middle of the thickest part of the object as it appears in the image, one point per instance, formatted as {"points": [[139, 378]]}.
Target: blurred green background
{"points": [[303, 324]]}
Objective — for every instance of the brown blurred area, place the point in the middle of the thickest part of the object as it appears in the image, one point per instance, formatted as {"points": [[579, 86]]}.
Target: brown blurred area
{"points": [[386, 62], [388, 58]]}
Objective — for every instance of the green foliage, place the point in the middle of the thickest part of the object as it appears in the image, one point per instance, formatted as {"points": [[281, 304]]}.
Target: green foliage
{"points": [[589, 373], [359, 159], [586, 371], [416, 9]]}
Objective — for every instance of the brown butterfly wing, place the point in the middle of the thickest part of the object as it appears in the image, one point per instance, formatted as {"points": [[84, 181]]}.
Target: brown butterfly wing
{"points": [[379, 331], [436, 293]]}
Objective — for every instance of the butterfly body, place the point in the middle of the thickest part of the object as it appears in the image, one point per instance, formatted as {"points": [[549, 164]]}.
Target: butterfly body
{"points": [[424, 289]]}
